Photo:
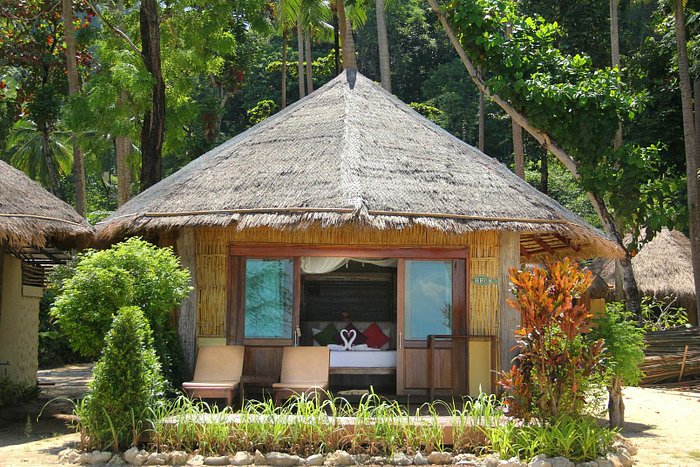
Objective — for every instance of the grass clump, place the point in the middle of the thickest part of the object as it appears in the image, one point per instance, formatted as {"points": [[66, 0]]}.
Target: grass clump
{"points": [[578, 439]]}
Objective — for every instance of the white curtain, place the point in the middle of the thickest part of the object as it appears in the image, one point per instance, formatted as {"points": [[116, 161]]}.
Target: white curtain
{"points": [[385, 262], [323, 265]]}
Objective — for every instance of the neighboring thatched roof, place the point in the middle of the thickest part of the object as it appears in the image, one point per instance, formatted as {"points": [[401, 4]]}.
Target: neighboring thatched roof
{"points": [[30, 216], [350, 153], [662, 267]]}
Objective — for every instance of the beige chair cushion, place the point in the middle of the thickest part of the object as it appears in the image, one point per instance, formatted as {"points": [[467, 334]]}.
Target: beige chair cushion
{"points": [[211, 385], [305, 367], [219, 364]]}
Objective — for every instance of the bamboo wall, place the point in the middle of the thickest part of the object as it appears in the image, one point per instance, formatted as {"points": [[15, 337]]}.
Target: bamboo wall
{"points": [[212, 245]]}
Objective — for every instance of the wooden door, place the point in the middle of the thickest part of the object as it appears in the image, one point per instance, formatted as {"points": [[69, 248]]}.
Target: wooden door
{"points": [[431, 298]]}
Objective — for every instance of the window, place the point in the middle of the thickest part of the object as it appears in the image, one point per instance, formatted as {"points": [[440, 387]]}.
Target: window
{"points": [[428, 295], [269, 298]]}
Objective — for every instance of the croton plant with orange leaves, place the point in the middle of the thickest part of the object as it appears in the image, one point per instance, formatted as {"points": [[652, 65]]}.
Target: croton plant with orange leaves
{"points": [[555, 365]]}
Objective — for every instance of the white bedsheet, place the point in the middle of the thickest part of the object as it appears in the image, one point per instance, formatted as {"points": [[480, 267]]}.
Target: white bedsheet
{"points": [[363, 359]]}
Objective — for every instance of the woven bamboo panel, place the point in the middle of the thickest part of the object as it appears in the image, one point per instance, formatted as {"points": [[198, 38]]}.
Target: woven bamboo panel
{"points": [[315, 235], [484, 299], [212, 245], [211, 283]]}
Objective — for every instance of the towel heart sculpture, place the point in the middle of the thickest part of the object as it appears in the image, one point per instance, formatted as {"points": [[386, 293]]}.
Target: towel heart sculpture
{"points": [[348, 336]]}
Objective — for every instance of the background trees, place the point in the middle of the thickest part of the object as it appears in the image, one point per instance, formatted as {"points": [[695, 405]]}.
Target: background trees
{"points": [[227, 64]]}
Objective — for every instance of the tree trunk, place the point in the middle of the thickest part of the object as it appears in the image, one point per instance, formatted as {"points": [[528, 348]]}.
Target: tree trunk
{"points": [[383, 42], [691, 149], [122, 148], [616, 405], [544, 173], [73, 89], [548, 143], [615, 53], [153, 128], [349, 59], [482, 120], [518, 151], [336, 39], [284, 68], [300, 62], [309, 61]]}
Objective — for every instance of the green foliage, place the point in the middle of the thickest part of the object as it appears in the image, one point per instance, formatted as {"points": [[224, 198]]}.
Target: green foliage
{"points": [[261, 111], [135, 273], [555, 366], [623, 341], [127, 384], [12, 393], [577, 104], [430, 112], [659, 315], [577, 439]]}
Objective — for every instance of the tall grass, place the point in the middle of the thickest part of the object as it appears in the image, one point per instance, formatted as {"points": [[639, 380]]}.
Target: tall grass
{"points": [[306, 424]]}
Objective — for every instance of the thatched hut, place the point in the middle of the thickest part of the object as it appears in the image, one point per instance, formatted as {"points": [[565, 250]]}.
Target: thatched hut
{"points": [[33, 223], [663, 269], [349, 209]]}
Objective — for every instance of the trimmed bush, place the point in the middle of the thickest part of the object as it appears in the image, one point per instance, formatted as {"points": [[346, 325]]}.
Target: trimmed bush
{"points": [[127, 385], [131, 273]]}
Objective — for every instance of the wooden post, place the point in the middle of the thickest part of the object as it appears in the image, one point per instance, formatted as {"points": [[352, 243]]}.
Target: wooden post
{"points": [[187, 314], [509, 253], [685, 355], [2, 264]]}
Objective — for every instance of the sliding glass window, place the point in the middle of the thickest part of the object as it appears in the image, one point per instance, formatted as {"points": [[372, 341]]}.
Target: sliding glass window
{"points": [[269, 298]]}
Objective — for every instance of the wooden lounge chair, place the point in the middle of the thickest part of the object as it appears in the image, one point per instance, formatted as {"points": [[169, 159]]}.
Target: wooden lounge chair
{"points": [[304, 370], [217, 373]]}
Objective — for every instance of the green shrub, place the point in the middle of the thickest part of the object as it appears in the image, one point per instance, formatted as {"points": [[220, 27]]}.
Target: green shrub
{"points": [[624, 342], [578, 439], [659, 315], [131, 273], [12, 393], [127, 385], [623, 353]]}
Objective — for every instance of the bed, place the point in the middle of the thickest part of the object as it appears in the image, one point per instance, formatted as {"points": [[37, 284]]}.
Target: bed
{"points": [[363, 362]]}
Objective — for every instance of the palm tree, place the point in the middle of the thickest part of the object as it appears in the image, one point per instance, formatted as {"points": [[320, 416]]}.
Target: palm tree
{"points": [[315, 15], [41, 152], [286, 11], [383, 44]]}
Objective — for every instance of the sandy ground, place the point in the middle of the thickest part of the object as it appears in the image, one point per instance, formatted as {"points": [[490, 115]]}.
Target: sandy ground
{"points": [[26, 441], [665, 424]]}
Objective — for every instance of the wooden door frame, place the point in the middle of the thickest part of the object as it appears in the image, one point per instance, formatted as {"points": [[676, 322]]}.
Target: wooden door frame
{"points": [[460, 326], [236, 281]]}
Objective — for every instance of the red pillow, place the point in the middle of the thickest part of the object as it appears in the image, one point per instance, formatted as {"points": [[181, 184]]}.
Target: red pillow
{"points": [[375, 336], [359, 339]]}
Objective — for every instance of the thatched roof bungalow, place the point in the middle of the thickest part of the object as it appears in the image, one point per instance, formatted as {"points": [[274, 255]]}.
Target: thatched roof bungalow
{"points": [[364, 211], [662, 267], [33, 223]]}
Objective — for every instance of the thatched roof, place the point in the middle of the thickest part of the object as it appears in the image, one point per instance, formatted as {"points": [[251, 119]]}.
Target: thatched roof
{"points": [[350, 153], [662, 267], [30, 216]]}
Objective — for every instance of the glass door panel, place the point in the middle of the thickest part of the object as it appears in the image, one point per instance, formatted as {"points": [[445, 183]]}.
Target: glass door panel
{"points": [[269, 298], [428, 299]]}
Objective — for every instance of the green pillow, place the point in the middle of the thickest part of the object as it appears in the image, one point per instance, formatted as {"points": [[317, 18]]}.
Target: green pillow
{"points": [[327, 335]]}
